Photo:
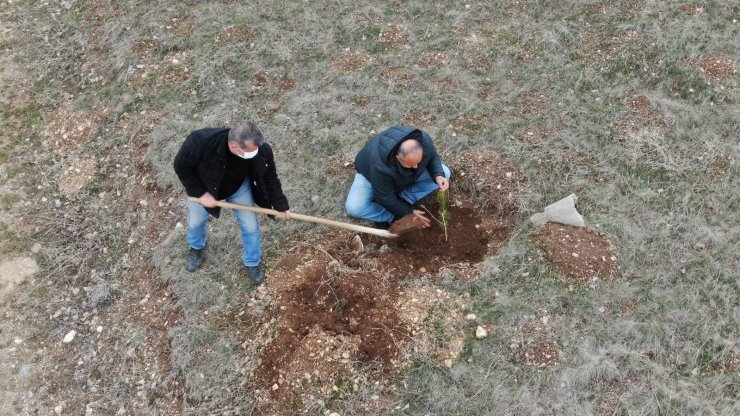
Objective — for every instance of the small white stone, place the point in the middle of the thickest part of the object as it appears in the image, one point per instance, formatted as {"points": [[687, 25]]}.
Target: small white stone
{"points": [[69, 337], [470, 317], [99, 329], [178, 225], [59, 409], [481, 332], [545, 319], [275, 387], [602, 309], [448, 363]]}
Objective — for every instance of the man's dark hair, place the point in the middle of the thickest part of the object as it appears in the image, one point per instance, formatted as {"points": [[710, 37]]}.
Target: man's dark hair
{"points": [[246, 132]]}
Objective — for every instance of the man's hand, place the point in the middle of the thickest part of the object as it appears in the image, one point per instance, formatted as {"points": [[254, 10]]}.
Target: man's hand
{"points": [[284, 215], [420, 220], [442, 182], [207, 200]]}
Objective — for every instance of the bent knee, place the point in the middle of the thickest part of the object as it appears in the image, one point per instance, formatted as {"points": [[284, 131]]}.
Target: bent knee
{"points": [[447, 171], [352, 208]]}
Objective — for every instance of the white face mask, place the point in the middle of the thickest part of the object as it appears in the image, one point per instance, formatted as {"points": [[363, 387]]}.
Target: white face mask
{"points": [[249, 155]]}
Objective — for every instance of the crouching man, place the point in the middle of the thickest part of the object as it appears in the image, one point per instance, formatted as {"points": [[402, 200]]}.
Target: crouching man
{"points": [[396, 168]]}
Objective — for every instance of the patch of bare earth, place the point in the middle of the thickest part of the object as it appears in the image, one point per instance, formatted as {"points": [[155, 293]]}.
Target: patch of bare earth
{"points": [[234, 34], [362, 101], [176, 69], [526, 104], [691, 9], [444, 84], [351, 61], [13, 272], [470, 123], [180, 25], [731, 363], [272, 88], [419, 118], [145, 47], [395, 37], [476, 43], [68, 129], [493, 180], [578, 252], [77, 173], [601, 49], [715, 67], [543, 355], [642, 115], [432, 60], [539, 134], [397, 76]]}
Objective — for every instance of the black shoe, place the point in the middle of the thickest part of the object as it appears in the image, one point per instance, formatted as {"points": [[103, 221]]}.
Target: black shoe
{"points": [[256, 275], [195, 259]]}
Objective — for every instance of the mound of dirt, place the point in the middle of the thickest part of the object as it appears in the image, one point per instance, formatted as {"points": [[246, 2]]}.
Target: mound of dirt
{"points": [[578, 252]]}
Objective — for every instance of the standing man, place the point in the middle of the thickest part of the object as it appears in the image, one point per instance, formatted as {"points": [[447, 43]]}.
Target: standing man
{"points": [[396, 168], [235, 165]]}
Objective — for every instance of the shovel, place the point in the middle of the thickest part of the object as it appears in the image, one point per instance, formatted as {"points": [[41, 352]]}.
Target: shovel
{"points": [[294, 216]]}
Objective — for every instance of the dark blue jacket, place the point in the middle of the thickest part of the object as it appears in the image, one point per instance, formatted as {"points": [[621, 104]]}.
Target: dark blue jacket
{"points": [[201, 162], [378, 164]]}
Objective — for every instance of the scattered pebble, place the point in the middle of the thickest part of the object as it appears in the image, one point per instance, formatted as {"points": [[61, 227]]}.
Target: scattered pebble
{"points": [[481, 332], [470, 317], [69, 337]]}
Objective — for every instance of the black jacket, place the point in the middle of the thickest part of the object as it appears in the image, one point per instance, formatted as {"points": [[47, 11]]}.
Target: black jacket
{"points": [[201, 162], [378, 164]]}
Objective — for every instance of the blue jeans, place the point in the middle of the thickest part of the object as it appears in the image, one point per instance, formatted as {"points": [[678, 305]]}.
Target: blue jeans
{"points": [[248, 224], [361, 201]]}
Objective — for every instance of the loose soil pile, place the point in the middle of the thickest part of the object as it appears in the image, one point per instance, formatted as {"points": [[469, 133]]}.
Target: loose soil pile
{"points": [[578, 252]]}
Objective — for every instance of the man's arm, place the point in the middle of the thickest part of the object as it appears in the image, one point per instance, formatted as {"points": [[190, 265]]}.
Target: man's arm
{"points": [[272, 182], [186, 164], [385, 195]]}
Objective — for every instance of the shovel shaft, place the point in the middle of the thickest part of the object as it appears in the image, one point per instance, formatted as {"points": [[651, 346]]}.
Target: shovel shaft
{"points": [[301, 217]]}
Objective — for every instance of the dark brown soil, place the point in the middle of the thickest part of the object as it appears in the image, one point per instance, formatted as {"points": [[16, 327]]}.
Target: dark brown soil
{"points": [[418, 251], [338, 304], [578, 252]]}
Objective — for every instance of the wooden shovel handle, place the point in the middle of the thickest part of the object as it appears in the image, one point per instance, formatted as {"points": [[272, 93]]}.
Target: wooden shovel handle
{"points": [[307, 218]]}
